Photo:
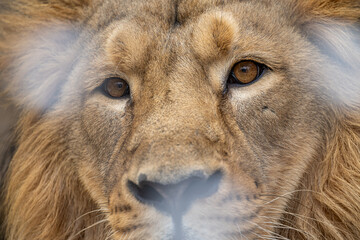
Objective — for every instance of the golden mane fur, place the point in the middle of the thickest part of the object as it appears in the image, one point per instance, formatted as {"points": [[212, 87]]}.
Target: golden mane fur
{"points": [[45, 194]]}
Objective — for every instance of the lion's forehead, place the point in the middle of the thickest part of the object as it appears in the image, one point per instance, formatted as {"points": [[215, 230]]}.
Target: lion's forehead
{"points": [[213, 32], [165, 20], [169, 11]]}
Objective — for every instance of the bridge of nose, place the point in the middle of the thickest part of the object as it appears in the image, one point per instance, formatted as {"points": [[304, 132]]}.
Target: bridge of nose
{"points": [[176, 118], [173, 139], [175, 84], [178, 110]]}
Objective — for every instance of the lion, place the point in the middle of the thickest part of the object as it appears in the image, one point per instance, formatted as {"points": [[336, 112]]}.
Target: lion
{"points": [[180, 120]]}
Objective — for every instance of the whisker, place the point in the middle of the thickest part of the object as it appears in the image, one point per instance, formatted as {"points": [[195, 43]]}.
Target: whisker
{"points": [[281, 225], [124, 236], [130, 235], [110, 234], [303, 218], [264, 237], [85, 214], [91, 226], [242, 235], [277, 197], [289, 198], [268, 231], [97, 210]]}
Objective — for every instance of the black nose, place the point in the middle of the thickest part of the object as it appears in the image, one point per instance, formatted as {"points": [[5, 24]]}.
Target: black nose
{"points": [[175, 198]]}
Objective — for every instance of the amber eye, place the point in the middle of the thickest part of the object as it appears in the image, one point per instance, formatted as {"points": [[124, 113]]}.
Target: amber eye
{"points": [[116, 87], [245, 72]]}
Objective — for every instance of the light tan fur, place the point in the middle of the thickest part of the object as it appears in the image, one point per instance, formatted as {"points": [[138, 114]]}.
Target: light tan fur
{"points": [[288, 145]]}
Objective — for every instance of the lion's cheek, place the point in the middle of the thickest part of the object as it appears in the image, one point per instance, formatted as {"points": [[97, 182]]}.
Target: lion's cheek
{"points": [[94, 155], [267, 120]]}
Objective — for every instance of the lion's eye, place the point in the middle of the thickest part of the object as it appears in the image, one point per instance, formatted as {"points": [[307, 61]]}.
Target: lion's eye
{"points": [[245, 72], [116, 87]]}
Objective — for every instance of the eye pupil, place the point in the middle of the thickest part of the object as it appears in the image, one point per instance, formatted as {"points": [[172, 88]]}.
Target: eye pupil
{"points": [[120, 85], [244, 69], [116, 87]]}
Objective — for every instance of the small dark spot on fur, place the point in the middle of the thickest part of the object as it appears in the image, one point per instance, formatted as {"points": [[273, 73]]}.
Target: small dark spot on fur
{"points": [[228, 198], [266, 108], [126, 208], [238, 197], [129, 228], [123, 208], [167, 95], [236, 219]]}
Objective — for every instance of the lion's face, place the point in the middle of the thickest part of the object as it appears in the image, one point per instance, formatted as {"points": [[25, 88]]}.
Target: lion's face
{"points": [[188, 153], [188, 121]]}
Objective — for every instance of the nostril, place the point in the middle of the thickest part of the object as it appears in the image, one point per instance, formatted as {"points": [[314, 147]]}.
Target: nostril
{"points": [[202, 188], [145, 193], [176, 198]]}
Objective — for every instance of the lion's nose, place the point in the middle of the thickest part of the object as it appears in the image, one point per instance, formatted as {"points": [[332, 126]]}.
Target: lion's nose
{"points": [[176, 198]]}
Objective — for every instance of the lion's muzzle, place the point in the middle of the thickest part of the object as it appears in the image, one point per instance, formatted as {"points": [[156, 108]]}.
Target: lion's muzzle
{"points": [[176, 198]]}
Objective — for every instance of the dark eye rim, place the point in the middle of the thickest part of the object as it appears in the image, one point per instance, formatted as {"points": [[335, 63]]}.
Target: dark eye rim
{"points": [[233, 81], [106, 93]]}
